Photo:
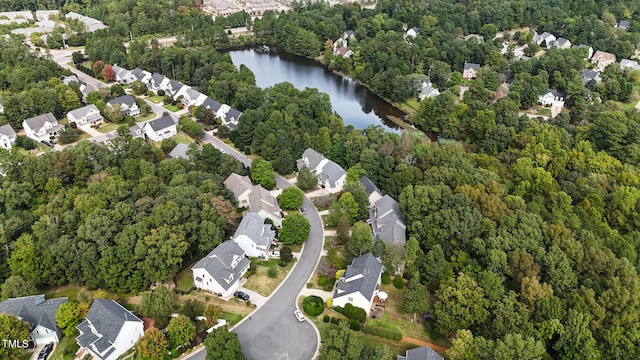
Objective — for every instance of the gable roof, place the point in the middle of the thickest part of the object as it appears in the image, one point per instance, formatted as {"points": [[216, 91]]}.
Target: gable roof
{"points": [[387, 221], [140, 74], [175, 86], [623, 24], [211, 104], [261, 199], [629, 64], [180, 152], [69, 79], [421, 353], [103, 324], [561, 41], [158, 79], [192, 93], [468, 66], [124, 99], [601, 55], [7, 130], [238, 184], [255, 229], [161, 123], [83, 111], [224, 263], [37, 122], [588, 74], [555, 93], [310, 158], [361, 276], [232, 115], [331, 173], [369, 186], [34, 309]]}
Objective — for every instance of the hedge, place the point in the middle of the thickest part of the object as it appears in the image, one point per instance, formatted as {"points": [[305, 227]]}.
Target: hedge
{"points": [[383, 332], [352, 312], [386, 278]]}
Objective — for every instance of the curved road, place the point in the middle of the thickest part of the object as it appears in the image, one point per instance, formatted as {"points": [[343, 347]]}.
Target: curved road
{"points": [[272, 332]]}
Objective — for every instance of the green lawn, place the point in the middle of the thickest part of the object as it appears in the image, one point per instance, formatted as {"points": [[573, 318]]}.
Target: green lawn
{"points": [[149, 116], [155, 99], [184, 280], [181, 138], [67, 345], [83, 135], [544, 111], [172, 108], [109, 127], [68, 291], [232, 318]]}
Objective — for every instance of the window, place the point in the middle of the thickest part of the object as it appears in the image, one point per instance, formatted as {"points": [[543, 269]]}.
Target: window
{"points": [[350, 298]]}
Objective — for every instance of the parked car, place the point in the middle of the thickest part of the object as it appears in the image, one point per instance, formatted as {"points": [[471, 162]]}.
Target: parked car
{"points": [[46, 350], [241, 295], [299, 315], [47, 143], [303, 210]]}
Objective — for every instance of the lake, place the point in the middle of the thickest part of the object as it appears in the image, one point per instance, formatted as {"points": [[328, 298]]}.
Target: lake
{"points": [[356, 104]]}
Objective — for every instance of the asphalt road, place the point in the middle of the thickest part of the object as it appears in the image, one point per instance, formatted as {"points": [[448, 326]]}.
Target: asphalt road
{"points": [[272, 332]]}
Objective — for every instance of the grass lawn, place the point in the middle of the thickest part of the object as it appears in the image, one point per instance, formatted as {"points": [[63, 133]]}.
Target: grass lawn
{"points": [[67, 343], [410, 106], [261, 283], [64, 121], [544, 111], [232, 318], [109, 127], [184, 280], [155, 99], [182, 138], [83, 135], [170, 107], [149, 116], [69, 291]]}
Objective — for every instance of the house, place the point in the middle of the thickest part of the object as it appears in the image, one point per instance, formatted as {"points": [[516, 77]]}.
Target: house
{"points": [[221, 270], [602, 59], [589, 75], [588, 48], [623, 24], [331, 176], [371, 189], [427, 90], [90, 24], [258, 199], [136, 131], [103, 139], [39, 313], [470, 71], [160, 128], [142, 75], [360, 283], [180, 152], [254, 236], [240, 186], [230, 118], [7, 137], [551, 97], [68, 80], [413, 32], [421, 353], [629, 65], [193, 97], [175, 89], [478, 38], [127, 105], [158, 82], [108, 331], [123, 75], [387, 221], [86, 115], [562, 43], [348, 35], [86, 89], [342, 51], [42, 127], [547, 38], [212, 105]]}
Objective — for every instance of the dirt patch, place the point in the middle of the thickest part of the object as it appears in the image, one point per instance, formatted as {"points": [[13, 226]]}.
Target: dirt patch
{"points": [[424, 343], [264, 285]]}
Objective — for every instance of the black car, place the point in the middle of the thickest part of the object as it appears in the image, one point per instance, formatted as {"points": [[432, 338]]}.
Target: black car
{"points": [[303, 210], [241, 295], [46, 350]]}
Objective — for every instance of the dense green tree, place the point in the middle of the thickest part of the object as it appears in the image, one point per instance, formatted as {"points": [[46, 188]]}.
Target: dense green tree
{"points": [[290, 198], [262, 173], [16, 286], [158, 304], [223, 344], [67, 317], [152, 346], [181, 331], [306, 179], [415, 297], [461, 304], [295, 229], [361, 240], [14, 329]]}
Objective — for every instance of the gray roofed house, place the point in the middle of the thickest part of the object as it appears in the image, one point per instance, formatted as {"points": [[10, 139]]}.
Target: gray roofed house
{"points": [[39, 313], [545, 37], [86, 89], [413, 32], [230, 119], [623, 24], [41, 127], [254, 236], [123, 75], [193, 97], [7, 136], [562, 43], [136, 131], [108, 331], [330, 175], [67, 80], [552, 98], [589, 75], [470, 71], [160, 128], [427, 90], [158, 82], [626, 64], [142, 75], [212, 105], [311, 159], [360, 283], [86, 115], [371, 189], [180, 152], [176, 88], [127, 105], [241, 186], [221, 270], [265, 205], [387, 221], [420, 353]]}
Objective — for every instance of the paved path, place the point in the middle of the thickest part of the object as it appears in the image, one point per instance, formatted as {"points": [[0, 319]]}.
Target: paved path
{"points": [[317, 292]]}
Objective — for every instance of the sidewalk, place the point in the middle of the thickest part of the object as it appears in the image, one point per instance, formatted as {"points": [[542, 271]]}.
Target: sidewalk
{"points": [[317, 292]]}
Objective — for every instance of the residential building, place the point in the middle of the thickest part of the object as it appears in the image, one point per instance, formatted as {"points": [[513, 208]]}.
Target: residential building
{"points": [[90, 24], [254, 236], [102, 139], [413, 32], [230, 118], [349, 35], [547, 38], [427, 90], [192, 97], [258, 199], [86, 89], [360, 283], [44, 15], [127, 105], [241, 187], [220, 7], [602, 59], [626, 64], [42, 127], [175, 89], [136, 131], [221, 270], [142, 75], [562, 43], [588, 48], [590, 75], [470, 71], [420, 353], [160, 128], [476, 37], [212, 105], [623, 25], [331, 176], [108, 331], [180, 152], [342, 51], [387, 221], [123, 75], [371, 189], [86, 115], [7, 136], [68, 80], [551, 98], [39, 313], [158, 82]]}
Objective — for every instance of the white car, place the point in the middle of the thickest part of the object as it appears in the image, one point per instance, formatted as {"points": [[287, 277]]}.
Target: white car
{"points": [[299, 315]]}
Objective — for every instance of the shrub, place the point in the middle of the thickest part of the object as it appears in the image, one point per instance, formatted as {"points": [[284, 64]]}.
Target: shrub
{"points": [[322, 280], [352, 312], [339, 273], [313, 305], [355, 325], [161, 92], [329, 303], [272, 272], [326, 318], [334, 320], [398, 282], [386, 278], [247, 151], [175, 354], [393, 334], [329, 285]]}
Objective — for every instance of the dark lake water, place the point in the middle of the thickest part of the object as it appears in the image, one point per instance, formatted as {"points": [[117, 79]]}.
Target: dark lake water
{"points": [[353, 102]]}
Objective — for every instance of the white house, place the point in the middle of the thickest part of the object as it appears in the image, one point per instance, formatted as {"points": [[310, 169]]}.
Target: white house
{"points": [[175, 89], [160, 129], [387, 221], [371, 189], [108, 331], [602, 59], [142, 75], [545, 37], [331, 176], [360, 283], [241, 187], [158, 82], [470, 71], [427, 90], [136, 131], [589, 50], [123, 75], [413, 32], [626, 64], [231, 117], [221, 270], [254, 236], [7, 137], [86, 115], [193, 97], [39, 313], [551, 97], [42, 127], [562, 43], [127, 105], [258, 199]]}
